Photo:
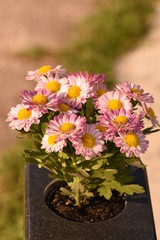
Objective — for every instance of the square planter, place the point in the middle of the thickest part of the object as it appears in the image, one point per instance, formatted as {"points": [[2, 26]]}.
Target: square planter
{"points": [[135, 222]]}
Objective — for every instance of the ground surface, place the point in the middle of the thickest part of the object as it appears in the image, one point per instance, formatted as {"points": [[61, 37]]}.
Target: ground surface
{"points": [[142, 66], [52, 25]]}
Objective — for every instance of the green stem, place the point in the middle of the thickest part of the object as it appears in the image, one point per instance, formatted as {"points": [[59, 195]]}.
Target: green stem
{"points": [[84, 109], [78, 200]]}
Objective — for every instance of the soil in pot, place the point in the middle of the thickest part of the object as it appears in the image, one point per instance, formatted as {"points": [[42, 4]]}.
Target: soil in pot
{"points": [[97, 209]]}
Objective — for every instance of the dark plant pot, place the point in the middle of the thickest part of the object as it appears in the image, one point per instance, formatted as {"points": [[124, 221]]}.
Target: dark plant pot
{"points": [[135, 222]]}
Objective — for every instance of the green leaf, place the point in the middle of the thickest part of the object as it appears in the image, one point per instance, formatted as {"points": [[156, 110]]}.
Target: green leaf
{"points": [[63, 155], [107, 174], [124, 176], [78, 191], [114, 185], [68, 177], [35, 127], [147, 130], [30, 160], [107, 155], [76, 186], [51, 175], [136, 162], [105, 191], [98, 164], [82, 172], [50, 115], [153, 131], [65, 191], [37, 145], [28, 151], [43, 127], [130, 189]]}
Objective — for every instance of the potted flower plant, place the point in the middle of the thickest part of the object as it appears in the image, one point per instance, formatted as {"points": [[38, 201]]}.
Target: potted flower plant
{"points": [[90, 140]]}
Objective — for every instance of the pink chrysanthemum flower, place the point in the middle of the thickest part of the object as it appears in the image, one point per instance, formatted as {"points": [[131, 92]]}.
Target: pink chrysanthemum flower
{"points": [[46, 70], [101, 129], [63, 107], [22, 118], [150, 114], [51, 143], [40, 99], [79, 90], [96, 78], [90, 144], [66, 126], [93, 78], [99, 90], [116, 121], [131, 142], [135, 92], [113, 100], [59, 86]]}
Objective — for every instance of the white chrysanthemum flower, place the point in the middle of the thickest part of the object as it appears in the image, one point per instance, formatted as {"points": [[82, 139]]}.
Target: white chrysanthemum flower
{"points": [[63, 107], [90, 145], [96, 78], [22, 118], [115, 121], [79, 90], [99, 90], [113, 100], [46, 70], [150, 114], [51, 143], [131, 142], [59, 86], [135, 92], [66, 126], [42, 100]]}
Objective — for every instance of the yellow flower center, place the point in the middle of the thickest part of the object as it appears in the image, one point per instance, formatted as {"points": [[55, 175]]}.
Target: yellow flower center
{"points": [[74, 92], [101, 128], [63, 107], [115, 104], [136, 90], [23, 114], [67, 127], [150, 112], [44, 69], [39, 99], [88, 140], [51, 139], [120, 120], [100, 92], [132, 140], [54, 86]]}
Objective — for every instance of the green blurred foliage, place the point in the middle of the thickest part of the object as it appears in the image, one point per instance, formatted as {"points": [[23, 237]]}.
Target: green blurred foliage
{"points": [[103, 37], [12, 193], [34, 53]]}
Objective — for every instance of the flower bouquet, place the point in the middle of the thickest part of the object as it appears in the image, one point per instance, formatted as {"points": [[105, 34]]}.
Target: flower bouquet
{"points": [[84, 134]]}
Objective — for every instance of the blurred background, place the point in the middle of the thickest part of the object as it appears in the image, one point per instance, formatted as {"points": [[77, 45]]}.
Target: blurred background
{"points": [[119, 38]]}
